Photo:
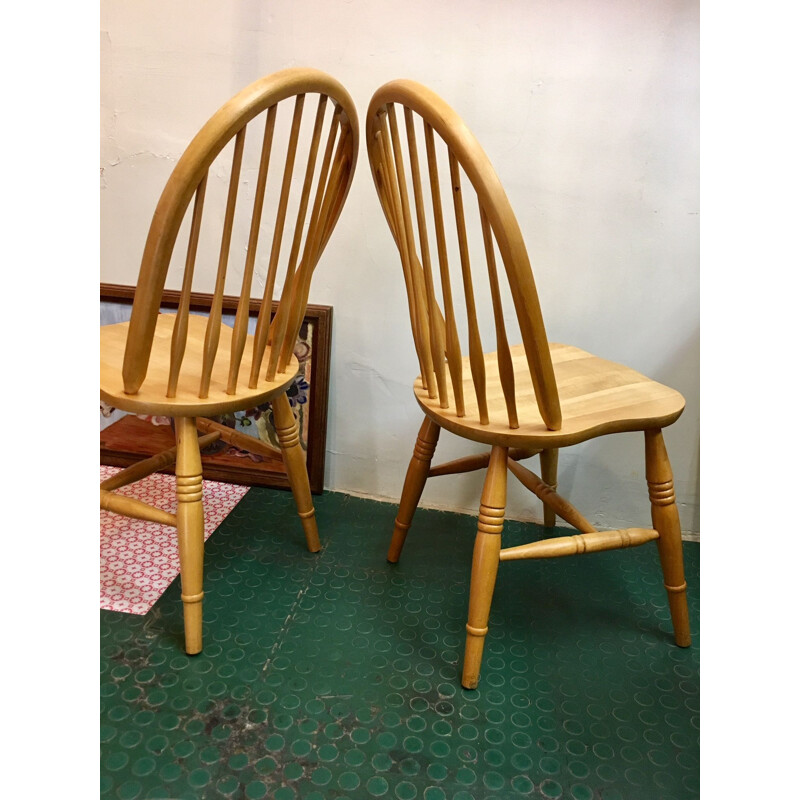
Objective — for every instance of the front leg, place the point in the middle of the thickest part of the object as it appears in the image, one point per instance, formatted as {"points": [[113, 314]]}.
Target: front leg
{"points": [[667, 523], [485, 561], [191, 530]]}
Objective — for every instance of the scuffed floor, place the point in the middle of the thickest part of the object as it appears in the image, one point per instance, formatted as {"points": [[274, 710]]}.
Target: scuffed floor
{"points": [[337, 674]]}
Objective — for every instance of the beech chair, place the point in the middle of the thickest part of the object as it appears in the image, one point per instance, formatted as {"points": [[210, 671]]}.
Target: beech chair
{"points": [[292, 183], [530, 398]]}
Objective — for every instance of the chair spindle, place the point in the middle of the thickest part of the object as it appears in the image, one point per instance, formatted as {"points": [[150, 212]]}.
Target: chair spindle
{"points": [[476, 362], [452, 344], [410, 250], [402, 243], [325, 209], [263, 323], [279, 324], [243, 307], [215, 314], [503, 352], [182, 321], [437, 346]]}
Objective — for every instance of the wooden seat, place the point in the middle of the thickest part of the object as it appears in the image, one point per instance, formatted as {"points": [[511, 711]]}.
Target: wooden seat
{"points": [[452, 223], [597, 396], [288, 174], [152, 395]]}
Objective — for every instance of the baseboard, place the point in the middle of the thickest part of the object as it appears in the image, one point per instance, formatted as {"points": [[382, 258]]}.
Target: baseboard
{"points": [[686, 536]]}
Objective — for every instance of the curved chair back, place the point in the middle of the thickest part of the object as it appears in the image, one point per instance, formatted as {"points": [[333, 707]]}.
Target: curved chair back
{"points": [[409, 159], [293, 187]]}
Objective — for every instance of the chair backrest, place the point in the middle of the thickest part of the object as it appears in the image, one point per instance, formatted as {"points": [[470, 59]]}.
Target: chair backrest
{"points": [[396, 164], [297, 201]]}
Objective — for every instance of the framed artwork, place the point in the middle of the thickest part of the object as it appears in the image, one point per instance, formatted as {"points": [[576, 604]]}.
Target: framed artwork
{"points": [[127, 438]]}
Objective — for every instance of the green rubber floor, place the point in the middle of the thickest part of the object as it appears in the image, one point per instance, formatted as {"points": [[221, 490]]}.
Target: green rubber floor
{"points": [[336, 675]]}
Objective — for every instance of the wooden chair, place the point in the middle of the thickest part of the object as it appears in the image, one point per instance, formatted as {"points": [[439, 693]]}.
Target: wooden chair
{"points": [[187, 366], [530, 398]]}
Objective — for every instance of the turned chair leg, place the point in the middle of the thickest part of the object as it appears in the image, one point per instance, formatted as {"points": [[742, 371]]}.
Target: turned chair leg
{"points": [[416, 476], [666, 522], [485, 560], [549, 463], [191, 538], [289, 440]]}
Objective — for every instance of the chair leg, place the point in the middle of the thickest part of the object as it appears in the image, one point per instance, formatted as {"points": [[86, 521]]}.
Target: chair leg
{"points": [[416, 476], [549, 462], [289, 440], [485, 560], [666, 522], [191, 539]]}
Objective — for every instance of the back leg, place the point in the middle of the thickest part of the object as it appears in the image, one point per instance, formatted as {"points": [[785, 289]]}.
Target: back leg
{"points": [[549, 462], [416, 476], [667, 523], [289, 440]]}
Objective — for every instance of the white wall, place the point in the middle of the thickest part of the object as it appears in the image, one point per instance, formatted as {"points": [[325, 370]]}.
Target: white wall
{"points": [[589, 113]]}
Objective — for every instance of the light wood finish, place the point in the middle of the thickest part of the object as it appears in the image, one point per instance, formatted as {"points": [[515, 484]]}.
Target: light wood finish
{"points": [[289, 439], [190, 522], [550, 498], [327, 207], [548, 460], [178, 345], [392, 158], [150, 465], [240, 440], [416, 476], [596, 542], [152, 395], [463, 151], [471, 463], [665, 520], [452, 344], [504, 363], [485, 560], [215, 315], [597, 397], [191, 367], [190, 174], [436, 338], [280, 226], [526, 398], [279, 355], [243, 307], [476, 364], [131, 507]]}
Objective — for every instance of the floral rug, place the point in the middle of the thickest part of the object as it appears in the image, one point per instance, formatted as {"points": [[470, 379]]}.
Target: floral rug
{"points": [[139, 559]]}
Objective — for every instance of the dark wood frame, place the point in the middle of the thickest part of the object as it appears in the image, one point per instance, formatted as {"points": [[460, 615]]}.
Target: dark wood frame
{"points": [[321, 317]]}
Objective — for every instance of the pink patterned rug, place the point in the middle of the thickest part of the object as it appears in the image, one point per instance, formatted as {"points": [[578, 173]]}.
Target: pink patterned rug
{"points": [[139, 559]]}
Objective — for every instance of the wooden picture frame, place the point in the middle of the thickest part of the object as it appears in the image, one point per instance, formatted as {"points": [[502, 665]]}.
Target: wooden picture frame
{"points": [[131, 438]]}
